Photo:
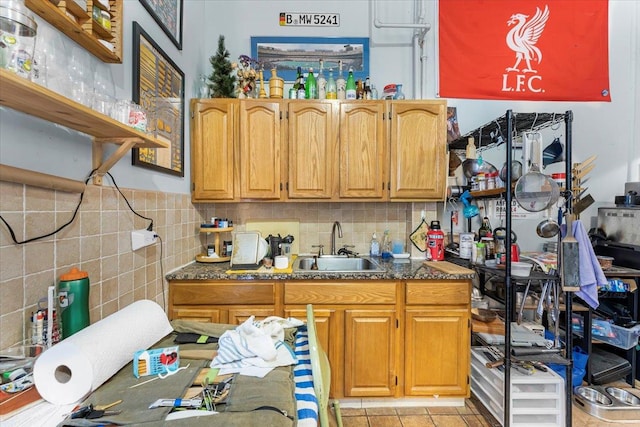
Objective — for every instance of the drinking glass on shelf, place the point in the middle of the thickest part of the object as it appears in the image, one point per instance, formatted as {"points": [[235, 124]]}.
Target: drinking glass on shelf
{"points": [[81, 79], [103, 89]]}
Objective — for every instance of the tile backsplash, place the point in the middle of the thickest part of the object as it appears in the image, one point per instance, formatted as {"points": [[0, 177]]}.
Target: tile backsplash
{"points": [[98, 241]]}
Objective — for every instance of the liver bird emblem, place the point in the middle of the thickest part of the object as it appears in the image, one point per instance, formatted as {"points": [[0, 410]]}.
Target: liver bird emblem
{"points": [[523, 37]]}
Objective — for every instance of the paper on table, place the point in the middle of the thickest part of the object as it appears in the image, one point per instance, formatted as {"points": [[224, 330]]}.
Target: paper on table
{"points": [[76, 366]]}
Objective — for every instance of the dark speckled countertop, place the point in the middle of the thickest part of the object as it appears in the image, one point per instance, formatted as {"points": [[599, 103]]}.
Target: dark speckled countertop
{"points": [[401, 269]]}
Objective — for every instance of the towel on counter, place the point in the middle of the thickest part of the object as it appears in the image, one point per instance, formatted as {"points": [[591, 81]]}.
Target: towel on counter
{"points": [[255, 347], [591, 275]]}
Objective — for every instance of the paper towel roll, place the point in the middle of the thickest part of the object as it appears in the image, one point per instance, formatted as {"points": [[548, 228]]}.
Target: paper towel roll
{"points": [[73, 368], [281, 262]]}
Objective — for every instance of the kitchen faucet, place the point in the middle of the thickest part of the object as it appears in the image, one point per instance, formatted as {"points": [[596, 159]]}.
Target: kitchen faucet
{"points": [[333, 236]]}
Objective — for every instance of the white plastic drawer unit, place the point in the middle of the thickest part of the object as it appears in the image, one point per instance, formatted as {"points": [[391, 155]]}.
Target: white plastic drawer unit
{"points": [[536, 400]]}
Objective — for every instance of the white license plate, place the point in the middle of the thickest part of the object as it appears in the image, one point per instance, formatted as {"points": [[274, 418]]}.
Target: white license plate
{"points": [[310, 19]]}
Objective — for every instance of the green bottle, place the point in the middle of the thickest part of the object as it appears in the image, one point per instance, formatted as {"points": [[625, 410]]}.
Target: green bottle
{"points": [[73, 299], [311, 86], [351, 85]]}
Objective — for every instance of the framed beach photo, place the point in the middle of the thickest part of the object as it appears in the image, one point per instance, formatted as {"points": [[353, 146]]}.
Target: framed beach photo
{"points": [[168, 15], [158, 87], [286, 54]]}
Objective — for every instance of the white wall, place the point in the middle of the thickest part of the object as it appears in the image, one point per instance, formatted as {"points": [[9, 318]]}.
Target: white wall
{"points": [[608, 130]]}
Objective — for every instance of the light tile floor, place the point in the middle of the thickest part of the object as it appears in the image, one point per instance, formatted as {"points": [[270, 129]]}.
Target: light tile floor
{"points": [[471, 415]]}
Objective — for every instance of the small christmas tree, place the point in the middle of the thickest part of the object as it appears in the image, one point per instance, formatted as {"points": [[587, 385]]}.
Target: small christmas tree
{"points": [[222, 82]]}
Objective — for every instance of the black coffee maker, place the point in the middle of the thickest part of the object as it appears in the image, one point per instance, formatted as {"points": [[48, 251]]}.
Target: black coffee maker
{"points": [[275, 243]]}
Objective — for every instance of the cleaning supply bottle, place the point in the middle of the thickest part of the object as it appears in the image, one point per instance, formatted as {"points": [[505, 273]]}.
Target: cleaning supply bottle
{"points": [[73, 299], [374, 249], [386, 245]]}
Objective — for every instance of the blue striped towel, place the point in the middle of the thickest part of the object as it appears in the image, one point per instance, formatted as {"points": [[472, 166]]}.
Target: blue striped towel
{"points": [[306, 400]]}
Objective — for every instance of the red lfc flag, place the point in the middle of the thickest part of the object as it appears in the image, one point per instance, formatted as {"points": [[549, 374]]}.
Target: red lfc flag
{"points": [[533, 50]]}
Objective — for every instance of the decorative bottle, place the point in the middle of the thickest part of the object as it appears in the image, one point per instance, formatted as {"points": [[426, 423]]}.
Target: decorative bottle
{"points": [[332, 89], [340, 83], [301, 92], [350, 91], [399, 93], [322, 82], [386, 245], [311, 86]]}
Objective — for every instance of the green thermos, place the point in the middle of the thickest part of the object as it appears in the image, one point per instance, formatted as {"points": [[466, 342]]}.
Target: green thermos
{"points": [[73, 299]]}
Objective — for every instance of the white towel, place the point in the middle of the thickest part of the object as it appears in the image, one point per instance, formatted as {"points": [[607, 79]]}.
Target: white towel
{"points": [[255, 347]]}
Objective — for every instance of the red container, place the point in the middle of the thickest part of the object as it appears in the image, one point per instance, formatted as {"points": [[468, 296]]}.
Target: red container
{"points": [[435, 241]]}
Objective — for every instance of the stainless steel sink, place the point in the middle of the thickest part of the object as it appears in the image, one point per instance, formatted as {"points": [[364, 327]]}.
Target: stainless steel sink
{"points": [[337, 264]]}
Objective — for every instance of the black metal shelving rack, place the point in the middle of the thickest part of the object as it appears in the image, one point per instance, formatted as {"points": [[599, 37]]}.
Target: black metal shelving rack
{"points": [[503, 130]]}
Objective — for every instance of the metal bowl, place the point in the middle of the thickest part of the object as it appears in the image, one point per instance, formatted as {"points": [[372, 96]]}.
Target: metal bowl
{"points": [[594, 396], [623, 396], [472, 167]]}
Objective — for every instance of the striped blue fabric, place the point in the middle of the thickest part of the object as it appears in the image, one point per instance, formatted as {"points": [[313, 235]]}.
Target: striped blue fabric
{"points": [[306, 400]]}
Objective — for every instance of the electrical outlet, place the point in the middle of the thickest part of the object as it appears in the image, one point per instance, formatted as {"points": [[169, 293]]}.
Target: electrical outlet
{"points": [[142, 238]]}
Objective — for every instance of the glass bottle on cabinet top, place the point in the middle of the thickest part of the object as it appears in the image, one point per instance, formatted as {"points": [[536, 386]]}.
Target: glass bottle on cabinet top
{"points": [[332, 89], [340, 83], [351, 86], [322, 82], [311, 86]]}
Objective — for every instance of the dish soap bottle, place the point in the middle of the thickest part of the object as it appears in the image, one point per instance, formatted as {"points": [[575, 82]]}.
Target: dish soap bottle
{"points": [[386, 245], [375, 246]]}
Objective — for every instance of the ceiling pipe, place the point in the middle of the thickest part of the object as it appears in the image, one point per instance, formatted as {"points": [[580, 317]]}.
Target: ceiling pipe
{"points": [[419, 56]]}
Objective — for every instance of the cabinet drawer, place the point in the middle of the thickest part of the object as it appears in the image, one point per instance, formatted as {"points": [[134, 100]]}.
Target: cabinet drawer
{"points": [[439, 292], [193, 293], [353, 292]]}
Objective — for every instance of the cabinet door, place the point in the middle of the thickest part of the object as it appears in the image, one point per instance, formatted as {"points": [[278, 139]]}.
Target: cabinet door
{"points": [[329, 330], [362, 149], [437, 347], [311, 141], [212, 147], [206, 315], [370, 361], [260, 150], [418, 150]]}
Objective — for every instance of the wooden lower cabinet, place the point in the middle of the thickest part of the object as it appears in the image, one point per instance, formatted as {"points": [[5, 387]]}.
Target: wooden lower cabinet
{"points": [[383, 338]]}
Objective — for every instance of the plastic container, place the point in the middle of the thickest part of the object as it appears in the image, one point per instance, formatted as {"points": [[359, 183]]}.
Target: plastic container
{"points": [[18, 31], [606, 262], [609, 333], [73, 297], [522, 269]]}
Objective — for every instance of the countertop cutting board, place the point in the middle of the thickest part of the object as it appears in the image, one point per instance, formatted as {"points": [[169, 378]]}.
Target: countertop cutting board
{"points": [[275, 227], [448, 267]]}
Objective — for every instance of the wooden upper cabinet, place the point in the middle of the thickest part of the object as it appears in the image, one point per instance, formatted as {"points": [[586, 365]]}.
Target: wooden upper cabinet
{"points": [[260, 150], [363, 156], [418, 150], [311, 142], [213, 133]]}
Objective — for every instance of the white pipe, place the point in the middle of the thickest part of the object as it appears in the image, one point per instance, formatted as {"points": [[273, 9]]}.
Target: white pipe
{"points": [[418, 44]]}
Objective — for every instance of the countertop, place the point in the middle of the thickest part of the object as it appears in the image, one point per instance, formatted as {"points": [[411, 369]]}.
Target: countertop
{"points": [[395, 269]]}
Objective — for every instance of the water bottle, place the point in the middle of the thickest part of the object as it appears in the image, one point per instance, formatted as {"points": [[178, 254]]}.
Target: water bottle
{"points": [[73, 299]]}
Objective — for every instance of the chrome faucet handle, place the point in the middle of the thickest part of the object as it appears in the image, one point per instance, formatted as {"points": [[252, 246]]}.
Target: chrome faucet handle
{"points": [[320, 250]]}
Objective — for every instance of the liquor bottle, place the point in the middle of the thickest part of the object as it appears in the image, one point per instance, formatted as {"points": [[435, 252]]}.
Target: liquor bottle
{"points": [[359, 89], [300, 91], [374, 92], [293, 94], [332, 89], [322, 82], [311, 86], [485, 228], [350, 92], [340, 83], [367, 89]]}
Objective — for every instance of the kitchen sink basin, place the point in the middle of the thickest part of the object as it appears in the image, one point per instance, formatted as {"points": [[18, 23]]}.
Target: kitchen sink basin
{"points": [[337, 264]]}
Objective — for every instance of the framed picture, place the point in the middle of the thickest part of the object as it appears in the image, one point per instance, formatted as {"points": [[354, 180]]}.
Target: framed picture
{"points": [[158, 87], [168, 14], [286, 54]]}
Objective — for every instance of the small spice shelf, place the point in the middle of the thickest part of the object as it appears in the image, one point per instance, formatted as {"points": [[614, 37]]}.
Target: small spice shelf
{"points": [[68, 17], [216, 244]]}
